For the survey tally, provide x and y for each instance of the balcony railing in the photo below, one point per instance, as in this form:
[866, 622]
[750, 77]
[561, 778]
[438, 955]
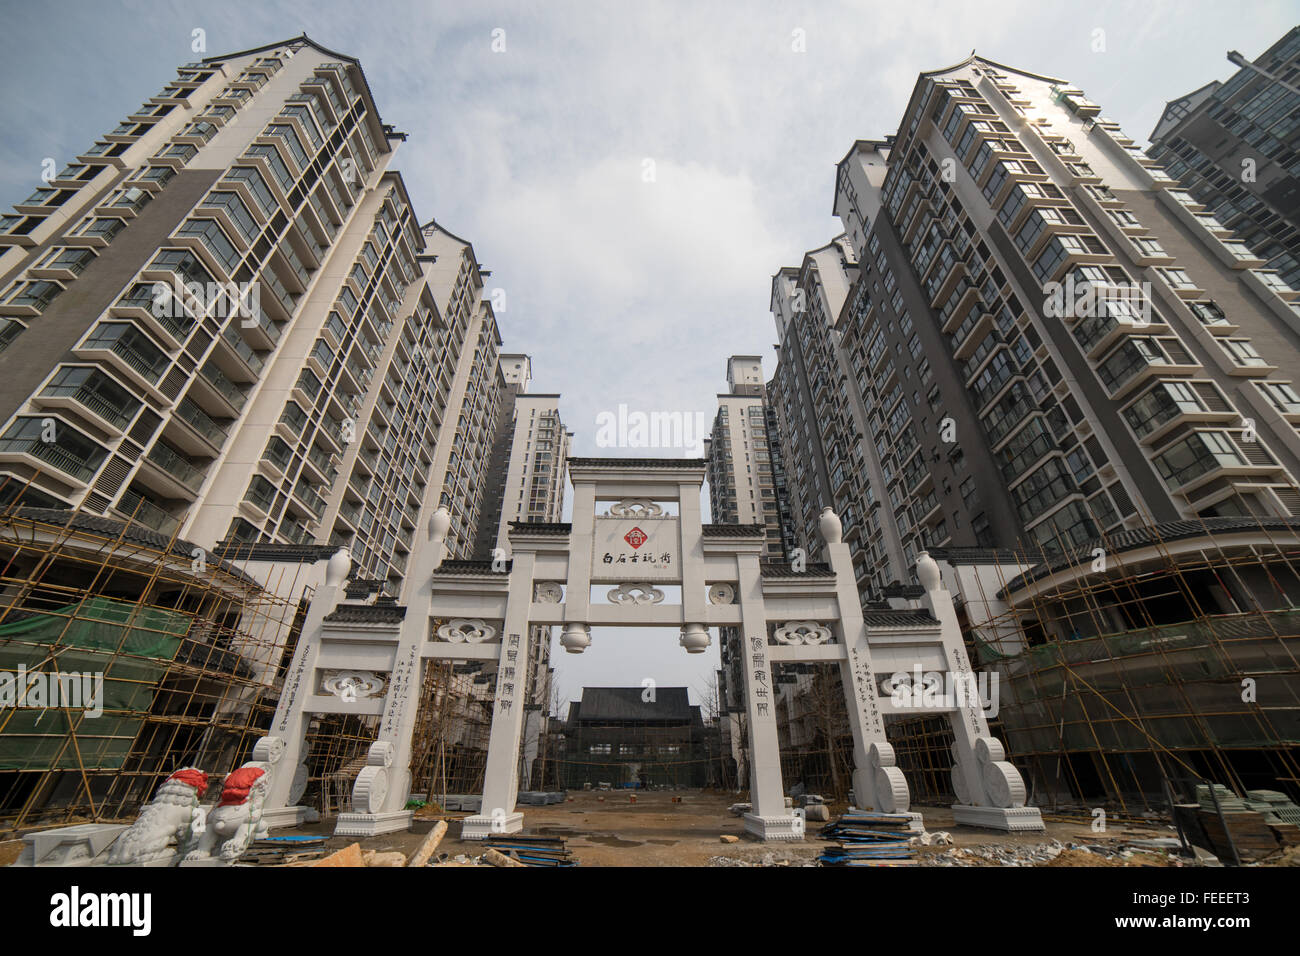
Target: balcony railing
[183, 471]
[242, 348]
[51, 453]
[95, 402]
[150, 515]
[190, 413]
[217, 379]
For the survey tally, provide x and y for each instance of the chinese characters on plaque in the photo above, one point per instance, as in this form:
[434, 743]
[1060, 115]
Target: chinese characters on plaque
[403, 680]
[647, 549]
[506, 683]
[758, 663]
[864, 688]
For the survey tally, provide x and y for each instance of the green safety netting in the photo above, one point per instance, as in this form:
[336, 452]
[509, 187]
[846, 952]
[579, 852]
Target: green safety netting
[129, 645]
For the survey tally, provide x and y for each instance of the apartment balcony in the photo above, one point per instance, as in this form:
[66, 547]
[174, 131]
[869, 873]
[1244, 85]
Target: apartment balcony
[960, 308]
[966, 347]
[278, 460]
[306, 389]
[90, 403]
[351, 513]
[39, 454]
[104, 154]
[183, 476]
[140, 367]
[195, 430]
[322, 464]
[170, 319]
[212, 384]
[333, 433]
[139, 510]
[308, 496]
[240, 351]
[296, 532]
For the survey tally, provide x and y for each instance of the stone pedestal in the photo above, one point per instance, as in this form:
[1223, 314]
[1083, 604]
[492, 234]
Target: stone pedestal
[81, 845]
[290, 816]
[787, 829]
[999, 818]
[372, 824]
[480, 827]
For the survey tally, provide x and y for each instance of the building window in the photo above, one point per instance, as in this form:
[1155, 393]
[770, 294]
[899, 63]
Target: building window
[1196, 455]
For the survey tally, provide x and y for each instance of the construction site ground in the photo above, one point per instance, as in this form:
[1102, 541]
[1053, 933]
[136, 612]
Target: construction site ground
[605, 828]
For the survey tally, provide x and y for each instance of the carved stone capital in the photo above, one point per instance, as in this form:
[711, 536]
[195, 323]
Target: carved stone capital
[802, 632]
[635, 593]
[461, 630]
[635, 508]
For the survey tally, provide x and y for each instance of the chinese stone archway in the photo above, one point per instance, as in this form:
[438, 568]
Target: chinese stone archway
[362, 658]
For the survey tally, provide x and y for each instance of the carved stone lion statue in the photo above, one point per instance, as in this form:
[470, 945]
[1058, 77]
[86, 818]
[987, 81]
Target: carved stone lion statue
[165, 824]
[236, 821]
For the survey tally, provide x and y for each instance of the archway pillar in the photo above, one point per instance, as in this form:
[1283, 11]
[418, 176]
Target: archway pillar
[990, 791]
[501, 779]
[768, 818]
[877, 783]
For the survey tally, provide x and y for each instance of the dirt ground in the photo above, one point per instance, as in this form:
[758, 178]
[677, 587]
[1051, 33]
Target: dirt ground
[607, 829]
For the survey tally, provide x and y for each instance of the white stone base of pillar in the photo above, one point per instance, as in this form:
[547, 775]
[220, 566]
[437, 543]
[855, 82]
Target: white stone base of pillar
[290, 816]
[773, 828]
[999, 818]
[372, 824]
[480, 827]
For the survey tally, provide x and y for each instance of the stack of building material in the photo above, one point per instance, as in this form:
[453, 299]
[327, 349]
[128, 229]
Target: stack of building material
[277, 851]
[1252, 837]
[1227, 801]
[532, 850]
[1276, 807]
[867, 838]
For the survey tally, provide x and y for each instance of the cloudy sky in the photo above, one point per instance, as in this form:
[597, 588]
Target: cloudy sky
[632, 174]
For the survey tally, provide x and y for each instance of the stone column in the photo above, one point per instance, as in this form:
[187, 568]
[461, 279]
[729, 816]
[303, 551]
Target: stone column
[877, 783]
[990, 791]
[383, 786]
[501, 780]
[768, 818]
[290, 721]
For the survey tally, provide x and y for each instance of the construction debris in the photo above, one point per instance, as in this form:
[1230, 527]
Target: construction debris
[278, 851]
[383, 858]
[497, 858]
[728, 838]
[532, 850]
[350, 855]
[869, 839]
[429, 846]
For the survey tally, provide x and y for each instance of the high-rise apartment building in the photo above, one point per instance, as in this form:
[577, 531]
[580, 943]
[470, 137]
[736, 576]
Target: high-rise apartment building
[1235, 147]
[1060, 364]
[224, 333]
[529, 458]
[745, 471]
[224, 322]
[1020, 407]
